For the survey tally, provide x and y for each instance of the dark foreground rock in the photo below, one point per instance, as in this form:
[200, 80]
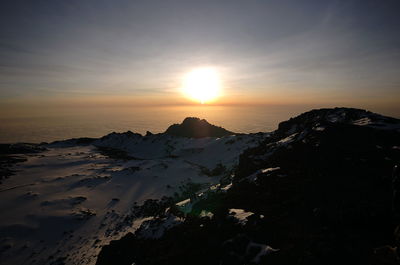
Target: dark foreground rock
[320, 190]
[11, 154]
[21, 148]
[196, 128]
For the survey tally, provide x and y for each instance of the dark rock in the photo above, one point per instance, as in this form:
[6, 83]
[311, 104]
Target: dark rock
[128, 134]
[11, 154]
[83, 141]
[20, 148]
[196, 128]
[331, 201]
[116, 154]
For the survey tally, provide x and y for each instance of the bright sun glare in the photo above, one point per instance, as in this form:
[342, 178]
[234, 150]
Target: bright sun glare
[202, 84]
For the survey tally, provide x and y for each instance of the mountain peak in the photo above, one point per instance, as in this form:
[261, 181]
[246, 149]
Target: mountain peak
[330, 116]
[194, 127]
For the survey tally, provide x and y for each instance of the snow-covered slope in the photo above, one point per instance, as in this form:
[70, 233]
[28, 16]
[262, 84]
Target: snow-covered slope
[66, 202]
[207, 152]
[68, 199]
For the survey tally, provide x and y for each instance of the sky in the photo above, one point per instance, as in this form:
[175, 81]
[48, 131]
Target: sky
[137, 52]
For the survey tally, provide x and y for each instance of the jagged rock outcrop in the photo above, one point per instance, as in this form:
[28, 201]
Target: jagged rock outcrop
[196, 128]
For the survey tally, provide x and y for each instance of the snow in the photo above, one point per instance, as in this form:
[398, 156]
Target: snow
[240, 215]
[207, 152]
[288, 139]
[185, 206]
[362, 121]
[183, 203]
[206, 214]
[319, 128]
[363, 118]
[334, 118]
[264, 250]
[227, 187]
[270, 169]
[155, 228]
[377, 123]
[253, 177]
[215, 187]
[70, 200]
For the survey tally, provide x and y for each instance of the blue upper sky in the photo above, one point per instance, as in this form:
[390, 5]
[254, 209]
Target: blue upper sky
[317, 50]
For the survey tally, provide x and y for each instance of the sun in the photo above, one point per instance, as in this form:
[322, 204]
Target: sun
[202, 85]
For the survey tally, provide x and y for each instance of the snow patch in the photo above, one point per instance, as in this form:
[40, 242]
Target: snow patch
[240, 215]
[227, 187]
[185, 206]
[288, 139]
[319, 128]
[363, 121]
[263, 250]
[155, 228]
[206, 214]
[253, 177]
[270, 169]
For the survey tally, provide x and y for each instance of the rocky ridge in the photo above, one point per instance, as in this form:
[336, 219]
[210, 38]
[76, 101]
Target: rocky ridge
[322, 189]
[196, 128]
